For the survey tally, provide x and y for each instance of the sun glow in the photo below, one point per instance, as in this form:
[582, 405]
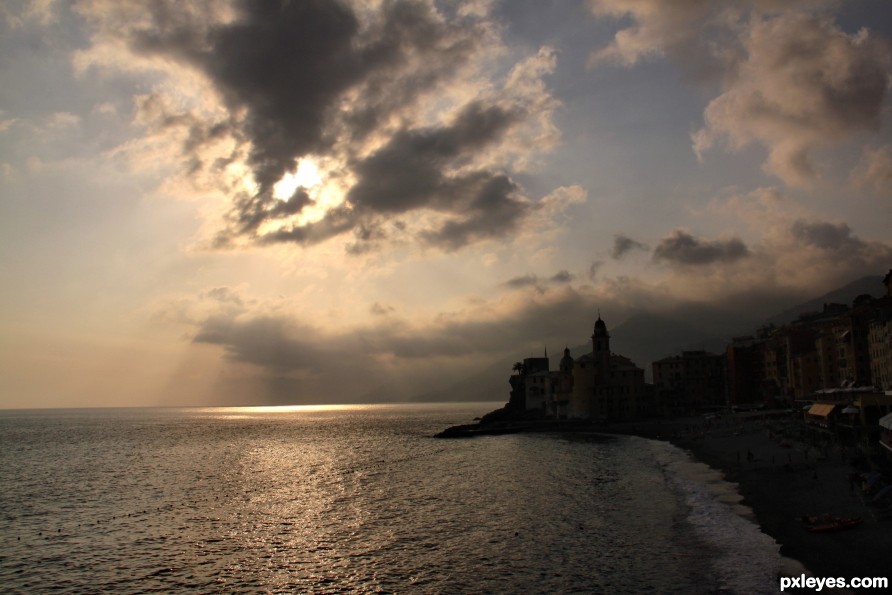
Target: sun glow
[306, 176]
[252, 412]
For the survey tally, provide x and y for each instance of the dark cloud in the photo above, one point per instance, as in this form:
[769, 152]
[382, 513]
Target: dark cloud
[683, 248]
[493, 211]
[523, 281]
[281, 344]
[593, 269]
[379, 309]
[368, 234]
[285, 65]
[408, 172]
[272, 343]
[308, 364]
[434, 355]
[252, 210]
[827, 236]
[335, 222]
[561, 277]
[623, 244]
[316, 78]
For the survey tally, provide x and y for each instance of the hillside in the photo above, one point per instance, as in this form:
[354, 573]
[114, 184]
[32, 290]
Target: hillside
[872, 285]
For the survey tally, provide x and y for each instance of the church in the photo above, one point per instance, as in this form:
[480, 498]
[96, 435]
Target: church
[600, 386]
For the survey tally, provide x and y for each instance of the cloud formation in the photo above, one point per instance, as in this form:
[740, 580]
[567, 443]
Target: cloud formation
[804, 84]
[659, 29]
[834, 237]
[792, 80]
[683, 248]
[411, 358]
[874, 170]
[562, 277]
[398, 103]
[623, 244]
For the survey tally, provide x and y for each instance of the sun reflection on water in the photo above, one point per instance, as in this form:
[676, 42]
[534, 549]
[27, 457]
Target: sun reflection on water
[262, 410]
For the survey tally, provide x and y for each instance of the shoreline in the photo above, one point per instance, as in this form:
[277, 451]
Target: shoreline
[783, 481]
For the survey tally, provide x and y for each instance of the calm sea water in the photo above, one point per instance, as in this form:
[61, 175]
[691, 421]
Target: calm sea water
[357, 499]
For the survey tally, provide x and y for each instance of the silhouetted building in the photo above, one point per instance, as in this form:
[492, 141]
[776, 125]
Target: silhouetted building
[607, 386]
[879, 338]
[531, 385]
[690, 383]
[744, 371]
[839, 347]
[599, 385]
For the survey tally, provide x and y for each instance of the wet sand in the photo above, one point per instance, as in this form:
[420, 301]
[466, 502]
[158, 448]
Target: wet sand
[783, 481]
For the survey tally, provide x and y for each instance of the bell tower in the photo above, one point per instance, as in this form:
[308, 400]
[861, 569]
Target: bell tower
[601, 349]
[601, 391]
[600, 342]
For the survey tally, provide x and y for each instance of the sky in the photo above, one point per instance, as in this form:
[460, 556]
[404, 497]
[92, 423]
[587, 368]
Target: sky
[245, 203]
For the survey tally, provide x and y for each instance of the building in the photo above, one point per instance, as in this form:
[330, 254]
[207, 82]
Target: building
[839, 347]
[850, 415]
[531, 386]
[743, 371]
[600, 385]
[879, 338]
[692, 382]
[536, 388]
[885, 424]
[607, 386]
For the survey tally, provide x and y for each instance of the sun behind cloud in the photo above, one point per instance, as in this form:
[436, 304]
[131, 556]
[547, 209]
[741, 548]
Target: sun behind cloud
[307, 176]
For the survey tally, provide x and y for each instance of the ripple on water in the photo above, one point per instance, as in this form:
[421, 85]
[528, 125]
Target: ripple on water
[327, 501]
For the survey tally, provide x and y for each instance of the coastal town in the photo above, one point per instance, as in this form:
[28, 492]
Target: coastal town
[798, 416]
[832, 369]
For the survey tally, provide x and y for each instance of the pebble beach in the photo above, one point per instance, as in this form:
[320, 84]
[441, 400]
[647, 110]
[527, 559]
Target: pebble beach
[782, 480]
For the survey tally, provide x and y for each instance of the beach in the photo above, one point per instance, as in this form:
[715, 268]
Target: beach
[782, 480]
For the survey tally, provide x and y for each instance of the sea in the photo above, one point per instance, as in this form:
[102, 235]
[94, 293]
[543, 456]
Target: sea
[359, 499]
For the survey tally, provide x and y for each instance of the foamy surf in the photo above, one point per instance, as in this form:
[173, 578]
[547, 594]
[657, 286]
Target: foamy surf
[746, 560]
